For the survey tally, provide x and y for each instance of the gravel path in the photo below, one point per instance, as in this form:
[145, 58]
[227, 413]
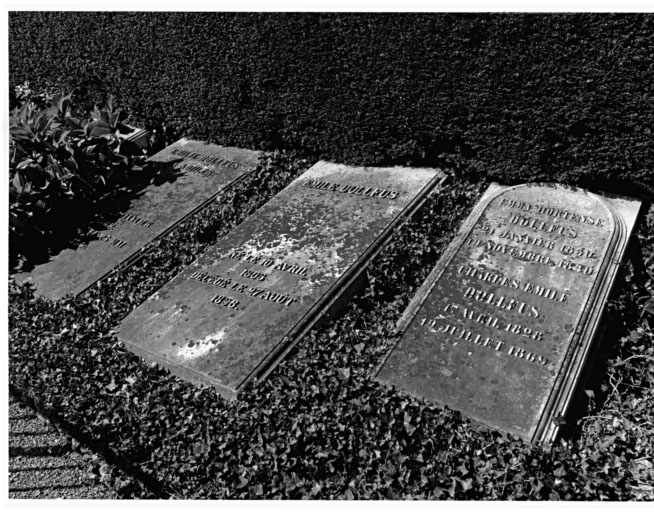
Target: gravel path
[44, 464]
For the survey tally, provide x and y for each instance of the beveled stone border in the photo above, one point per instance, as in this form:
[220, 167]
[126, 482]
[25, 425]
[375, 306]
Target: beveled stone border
[342, 287]
[559, 400]
[333, 298]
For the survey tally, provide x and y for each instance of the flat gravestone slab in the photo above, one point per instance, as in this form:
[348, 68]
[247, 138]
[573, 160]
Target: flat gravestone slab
[502, 326]
[200, 172]
[233, 314]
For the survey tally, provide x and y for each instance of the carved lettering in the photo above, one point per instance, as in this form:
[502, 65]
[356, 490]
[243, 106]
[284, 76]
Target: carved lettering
[513, 251]
[521, 254]
[226, 282]
[553, 212]
[255, 292]
[578, 252]
[489, 277]
[540, 225]
[197, 169]
[252, 274]
[207, 159]
[502, 302]
[470, 314]
[222, 282]
[492, 321]
[291, 269]
[463, 334]
[270, 296]
[521, 353]
[526, 239]
[351, 189]
[547, 293]
[137, 220]
[238, 287]
[225, 301]
[115, 241]
[527, 332]
[519, 205]
[576, 267]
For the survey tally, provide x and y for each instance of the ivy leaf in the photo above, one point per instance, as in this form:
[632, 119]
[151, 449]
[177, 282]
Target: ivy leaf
[18, 183]
[648, 307]
[560, 471]
[21, 133]
[111, 387]
[99, 128]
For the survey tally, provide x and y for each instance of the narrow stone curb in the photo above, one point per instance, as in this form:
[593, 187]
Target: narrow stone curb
[43, 463]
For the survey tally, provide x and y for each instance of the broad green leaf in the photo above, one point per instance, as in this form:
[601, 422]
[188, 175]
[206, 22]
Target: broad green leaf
[63, 102]
[21, 133]
[59, 136]
[71, 165]
[18, 183]
[25, 163]
[98, 129]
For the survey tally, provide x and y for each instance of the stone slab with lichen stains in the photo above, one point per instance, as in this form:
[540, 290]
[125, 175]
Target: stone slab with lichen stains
[222, 320]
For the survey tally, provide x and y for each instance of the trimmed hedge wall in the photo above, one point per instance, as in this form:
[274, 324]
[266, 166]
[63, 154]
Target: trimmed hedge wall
[563, 97]
[512, 98]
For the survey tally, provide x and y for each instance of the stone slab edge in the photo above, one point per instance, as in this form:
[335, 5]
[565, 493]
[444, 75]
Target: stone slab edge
[135, 257]
[625, 212]
[344, 284]
[578, 353]
[326, 304]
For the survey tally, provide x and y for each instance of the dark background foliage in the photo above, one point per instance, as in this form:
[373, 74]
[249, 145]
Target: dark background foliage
[513, 98]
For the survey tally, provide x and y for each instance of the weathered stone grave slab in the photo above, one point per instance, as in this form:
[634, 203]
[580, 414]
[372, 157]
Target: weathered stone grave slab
[234, 313]
[199, 172]
[501, 328]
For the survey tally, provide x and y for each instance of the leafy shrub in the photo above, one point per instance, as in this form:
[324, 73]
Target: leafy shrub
[60, 161]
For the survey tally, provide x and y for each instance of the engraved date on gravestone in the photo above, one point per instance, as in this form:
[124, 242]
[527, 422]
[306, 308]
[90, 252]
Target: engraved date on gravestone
[504, 322]
[234, 313]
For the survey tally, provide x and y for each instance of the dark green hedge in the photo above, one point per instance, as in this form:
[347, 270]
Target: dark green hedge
[565, 97]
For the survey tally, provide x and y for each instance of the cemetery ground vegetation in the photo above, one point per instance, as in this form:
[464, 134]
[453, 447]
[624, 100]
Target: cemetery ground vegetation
[62, 160]
[510, 98]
